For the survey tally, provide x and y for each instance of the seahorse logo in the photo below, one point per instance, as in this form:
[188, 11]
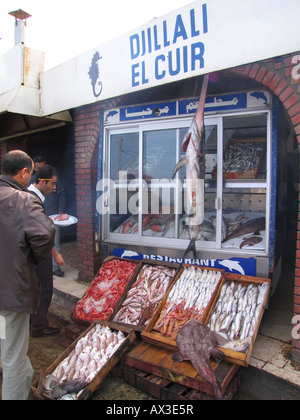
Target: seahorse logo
[95, 74]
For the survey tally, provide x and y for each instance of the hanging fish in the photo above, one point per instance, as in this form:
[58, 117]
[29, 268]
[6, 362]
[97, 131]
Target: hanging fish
[194, 160]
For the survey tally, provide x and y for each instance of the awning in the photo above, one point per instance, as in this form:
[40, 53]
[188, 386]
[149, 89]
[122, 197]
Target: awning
[19, 114]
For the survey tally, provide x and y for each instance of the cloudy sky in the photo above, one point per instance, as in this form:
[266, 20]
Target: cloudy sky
[66, 28]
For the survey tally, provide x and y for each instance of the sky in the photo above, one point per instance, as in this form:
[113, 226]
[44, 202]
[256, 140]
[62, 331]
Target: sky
[64, 29]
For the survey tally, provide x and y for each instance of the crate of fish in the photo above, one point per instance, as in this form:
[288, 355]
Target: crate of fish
[243, 158]
[111, 282]
[137, 306]
[81, 369]
[236, 314]
[190, 297]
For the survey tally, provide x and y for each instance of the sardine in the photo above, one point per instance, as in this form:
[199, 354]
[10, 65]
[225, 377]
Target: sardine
[194, 160]
[262, 293]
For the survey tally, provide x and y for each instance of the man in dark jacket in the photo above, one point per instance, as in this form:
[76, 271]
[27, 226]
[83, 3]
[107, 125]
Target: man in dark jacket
[26, 239]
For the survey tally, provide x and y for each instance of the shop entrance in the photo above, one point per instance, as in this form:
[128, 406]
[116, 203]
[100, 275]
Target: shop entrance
[57, 147]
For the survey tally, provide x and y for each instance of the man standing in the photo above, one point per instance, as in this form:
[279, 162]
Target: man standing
[44, 185]
[54, 203]
[27, 238]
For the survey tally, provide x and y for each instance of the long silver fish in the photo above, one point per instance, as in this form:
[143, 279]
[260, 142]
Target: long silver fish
[194, 146]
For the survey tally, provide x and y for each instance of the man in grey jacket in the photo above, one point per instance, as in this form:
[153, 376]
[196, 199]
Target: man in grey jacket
[26, 239]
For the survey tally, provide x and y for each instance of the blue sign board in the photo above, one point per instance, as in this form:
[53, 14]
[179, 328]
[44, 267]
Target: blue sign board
[215, 103]
[143, 112]
[243, 266]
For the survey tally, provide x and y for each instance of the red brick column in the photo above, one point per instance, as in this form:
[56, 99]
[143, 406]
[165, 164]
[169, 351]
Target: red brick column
[87, 129]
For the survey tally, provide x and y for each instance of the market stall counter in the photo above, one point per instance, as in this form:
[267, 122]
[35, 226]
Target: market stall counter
[234, 314]
[157, 301]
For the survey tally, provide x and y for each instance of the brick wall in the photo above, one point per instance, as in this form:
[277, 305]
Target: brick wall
[87, 129]
[7, 146]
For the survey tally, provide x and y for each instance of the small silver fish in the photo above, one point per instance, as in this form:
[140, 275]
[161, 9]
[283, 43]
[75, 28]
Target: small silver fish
[262, 293]
[238, 345]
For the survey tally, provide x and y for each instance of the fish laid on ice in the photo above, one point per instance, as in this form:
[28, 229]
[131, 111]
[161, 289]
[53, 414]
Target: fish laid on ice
[188, 299]
[194, 146]
[145, 295]
[196, 343]
[81, 366]
[253, 240]
[252, 226]
[237, 311]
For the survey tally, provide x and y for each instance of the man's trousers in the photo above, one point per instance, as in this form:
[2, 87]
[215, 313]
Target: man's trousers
[17, 369]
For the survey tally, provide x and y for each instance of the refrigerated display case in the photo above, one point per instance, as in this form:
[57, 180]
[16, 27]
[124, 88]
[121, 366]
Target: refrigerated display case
[144, 207]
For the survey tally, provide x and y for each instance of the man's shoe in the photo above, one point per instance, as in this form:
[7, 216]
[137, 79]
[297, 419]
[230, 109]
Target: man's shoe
[58, 272]
[45, 332]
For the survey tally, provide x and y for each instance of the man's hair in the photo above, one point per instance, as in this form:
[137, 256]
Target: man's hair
[14, 161]
[46, 172]
[39, 159]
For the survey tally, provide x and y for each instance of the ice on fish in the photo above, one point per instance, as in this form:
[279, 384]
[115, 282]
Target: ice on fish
[237, 311]
[85, 361]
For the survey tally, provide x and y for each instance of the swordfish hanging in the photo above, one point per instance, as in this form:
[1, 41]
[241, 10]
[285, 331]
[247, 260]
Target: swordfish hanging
[194, 146]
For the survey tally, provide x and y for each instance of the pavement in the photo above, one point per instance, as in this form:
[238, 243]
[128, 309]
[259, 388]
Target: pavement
[270, 375]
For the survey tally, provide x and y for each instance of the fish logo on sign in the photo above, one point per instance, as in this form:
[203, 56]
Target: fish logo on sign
[95, 74]
[232, 266]
[2, 328]
[130, 254]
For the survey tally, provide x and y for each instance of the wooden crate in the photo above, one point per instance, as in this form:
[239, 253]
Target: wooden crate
[251, 174]
[101, 375]
[151, 336]
[159, 362]
[129, 284]
[167, 390]
[143, 263]
[238, 358]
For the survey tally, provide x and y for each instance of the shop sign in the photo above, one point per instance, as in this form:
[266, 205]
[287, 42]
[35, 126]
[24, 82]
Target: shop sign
[229, 102]
[203, 37]
[243, 266]
[146, 112]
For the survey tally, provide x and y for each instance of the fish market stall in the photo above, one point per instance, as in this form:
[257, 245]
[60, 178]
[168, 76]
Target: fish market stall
[189, 325]
[232, 308]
